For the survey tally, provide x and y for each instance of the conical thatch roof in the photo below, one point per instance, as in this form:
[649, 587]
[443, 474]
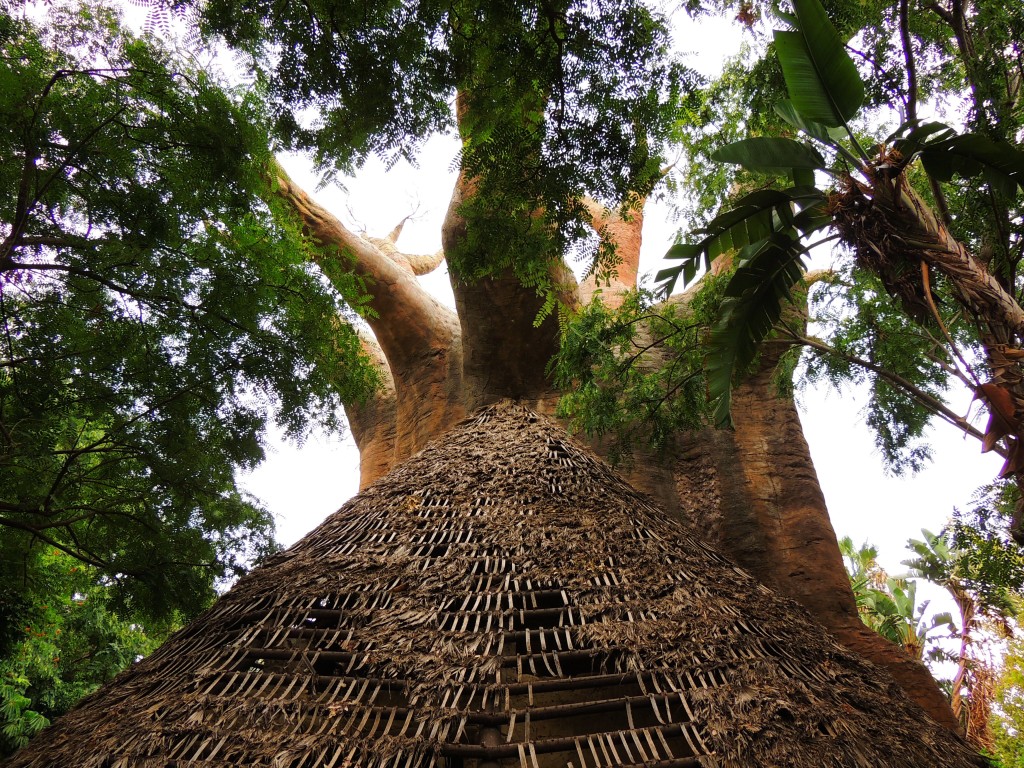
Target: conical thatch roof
[502, 598]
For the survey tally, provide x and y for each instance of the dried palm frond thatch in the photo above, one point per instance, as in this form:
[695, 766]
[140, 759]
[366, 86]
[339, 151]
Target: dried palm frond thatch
[501, 599]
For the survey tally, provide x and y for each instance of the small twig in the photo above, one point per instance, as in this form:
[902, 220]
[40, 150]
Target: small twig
[942, 326]
[928, 401]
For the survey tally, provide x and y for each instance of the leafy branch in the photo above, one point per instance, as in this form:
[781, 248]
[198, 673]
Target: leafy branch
[869, 206]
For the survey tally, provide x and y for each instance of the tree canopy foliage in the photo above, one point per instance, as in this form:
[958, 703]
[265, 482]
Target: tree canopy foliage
[556, 101]
[155, 313]
[65, 640]
[889, 135]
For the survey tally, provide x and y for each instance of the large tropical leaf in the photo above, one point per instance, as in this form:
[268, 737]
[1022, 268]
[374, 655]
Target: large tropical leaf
[934, 560]
[764, 153]
[914, 135]
[690, 255]
[946, 154]
[1001, 164]
[822, 80]
[752, 306]
[753, 218]
[815, 130]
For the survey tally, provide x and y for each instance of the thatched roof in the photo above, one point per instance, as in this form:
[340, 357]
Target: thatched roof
[501, 599]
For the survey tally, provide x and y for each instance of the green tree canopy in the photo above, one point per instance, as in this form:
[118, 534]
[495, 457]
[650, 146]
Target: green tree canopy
[62, 643]
[154, 314]
[554, 101]
[923, 219]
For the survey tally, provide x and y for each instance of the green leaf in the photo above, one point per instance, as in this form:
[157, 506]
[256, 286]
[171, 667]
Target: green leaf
[764, 153]
[802, 177]
[690, 254]
[813, 218]
[184, 320]
[1001, 164]
[815, 130]
[752, 219]
[914, 135]
[752, 305]
[946, 154]
[822, 80]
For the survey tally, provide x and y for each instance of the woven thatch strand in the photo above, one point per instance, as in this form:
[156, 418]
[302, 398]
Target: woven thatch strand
[501, 598]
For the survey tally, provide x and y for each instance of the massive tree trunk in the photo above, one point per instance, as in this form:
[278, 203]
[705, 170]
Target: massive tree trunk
[752, 491]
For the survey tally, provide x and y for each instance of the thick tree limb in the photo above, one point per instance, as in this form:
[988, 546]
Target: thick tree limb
[416, 264]
[625, 232]
[394, 289]
[505, 352]
[419, 336]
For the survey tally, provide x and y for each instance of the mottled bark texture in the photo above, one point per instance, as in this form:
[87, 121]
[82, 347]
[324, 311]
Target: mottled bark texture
[752, 491]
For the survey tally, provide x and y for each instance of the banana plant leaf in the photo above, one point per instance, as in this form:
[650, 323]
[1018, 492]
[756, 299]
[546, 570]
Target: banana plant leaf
[821, 79]
[946, 154]
[764, 153]
[753, 304]
[753, 218]
[914, 135]
[1001, 164]
[815, 130]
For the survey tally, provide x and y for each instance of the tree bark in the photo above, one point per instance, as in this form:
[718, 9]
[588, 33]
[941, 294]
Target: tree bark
[418, 337]
[753, 491]
[504, 351]
[772, 520]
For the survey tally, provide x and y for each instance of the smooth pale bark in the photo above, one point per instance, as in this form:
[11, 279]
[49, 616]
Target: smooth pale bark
[419, 340]
[768, 512]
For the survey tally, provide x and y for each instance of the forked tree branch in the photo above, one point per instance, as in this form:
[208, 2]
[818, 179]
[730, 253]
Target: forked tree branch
[406, 320]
